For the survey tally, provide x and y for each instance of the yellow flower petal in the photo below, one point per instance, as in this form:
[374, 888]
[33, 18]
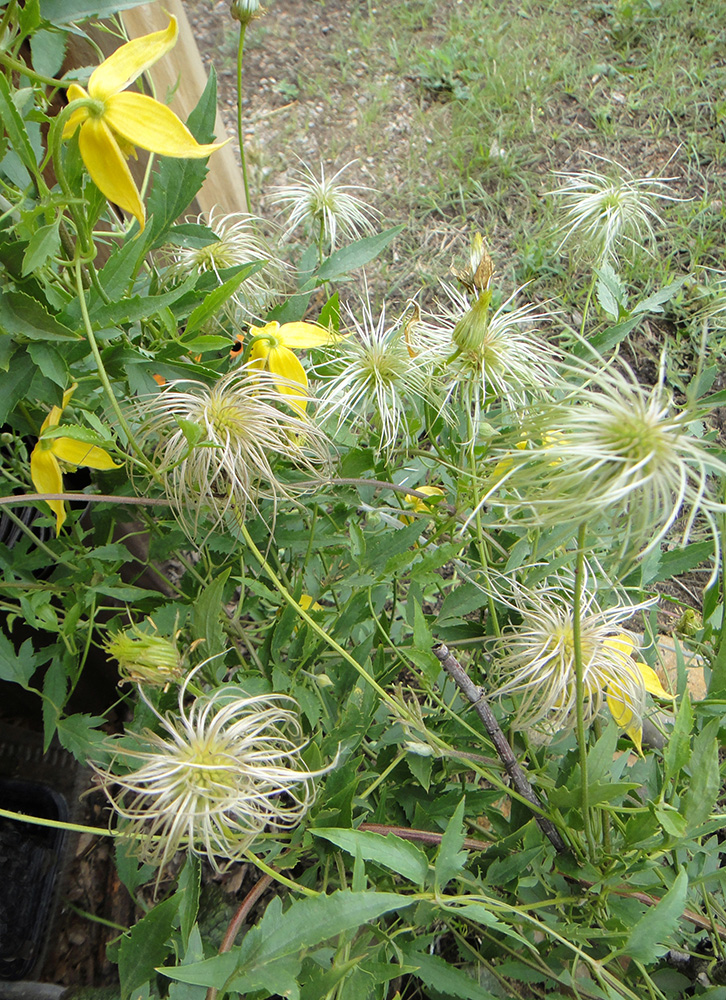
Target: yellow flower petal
[131, 60]
[259, 353]
[108, 168]
[652, 683]
[81, 453]
[422, 506]
[77, 117]
[46, 475]
[142, 121]
[621, 710]
[301, 335]
[281, 361]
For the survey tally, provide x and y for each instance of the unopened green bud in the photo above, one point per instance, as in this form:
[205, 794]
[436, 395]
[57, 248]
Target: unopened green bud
[470, 331]
[244, 10]
[145, 658]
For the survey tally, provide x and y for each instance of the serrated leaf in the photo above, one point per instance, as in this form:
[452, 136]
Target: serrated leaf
[679, 561]
[678, 749]
[18, 667]
[44, 243]
[350, 258]
[214, 301]
[655, 302]
[282, 936]
[189, 887]
[450, 859]
[705, 783]
[22, 315]
[390, 851]
[447, 980]
[14, 126]
[144, 947]
[79, 734]
[50, 361]
[646, 940]
[130, 870]
[206, 615]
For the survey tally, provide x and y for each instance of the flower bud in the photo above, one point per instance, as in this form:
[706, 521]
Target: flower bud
[244, 10]
[471, 330]
[145, 658]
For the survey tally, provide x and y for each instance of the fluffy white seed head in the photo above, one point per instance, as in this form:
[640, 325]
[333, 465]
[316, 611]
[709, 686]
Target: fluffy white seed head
[326, 206]
[212, 778]
[377, 379]
[242, 434]
[239, 241]
[613, 453]
[603, 215]
[536, 658]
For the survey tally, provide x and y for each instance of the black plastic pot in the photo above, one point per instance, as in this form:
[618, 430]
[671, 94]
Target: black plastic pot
[29, 860]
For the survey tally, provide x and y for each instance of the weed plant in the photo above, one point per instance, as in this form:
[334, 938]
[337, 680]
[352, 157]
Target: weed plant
[382, 535]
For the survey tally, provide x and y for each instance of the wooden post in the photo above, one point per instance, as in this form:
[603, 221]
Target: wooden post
[182, 68]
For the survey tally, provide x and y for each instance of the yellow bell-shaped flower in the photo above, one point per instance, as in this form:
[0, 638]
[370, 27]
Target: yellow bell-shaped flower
[113, 122]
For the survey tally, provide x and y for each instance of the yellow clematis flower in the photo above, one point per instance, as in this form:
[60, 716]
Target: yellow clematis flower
[112, 122]
[45, 459]
[272, 349]
[619, 700]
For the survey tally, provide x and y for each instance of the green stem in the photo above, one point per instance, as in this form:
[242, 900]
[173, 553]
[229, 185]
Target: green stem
[278, 877]
[55, 144]
[580, 690]
[20, 67]
[102, 374]
[240, 132]
[277, 583]
[586, 310]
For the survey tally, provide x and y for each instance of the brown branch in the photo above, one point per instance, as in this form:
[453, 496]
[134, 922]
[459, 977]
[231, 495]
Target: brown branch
[236, 922]
[512, 766]
[422, 836]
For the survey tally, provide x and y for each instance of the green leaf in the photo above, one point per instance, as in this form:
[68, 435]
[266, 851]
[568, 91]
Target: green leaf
[450, 859]
[71, 11]
[381, 548]
[391, 851]
[44, 243]
[194, 953]
[213, 302]
[678, 749]
[144, 947]
[55, 690]
[130, 309]
[177, 180]
[654, 302]
[79, 734]
[14, 125]
[22, 315]
[645, 942]
[131, 872]
[48, 49]
[705, 783]
[18, 667]
[604, 341]
[679, 561]
[191, 235]
[206, 616]
[189, 888]
[279, 936]
[349, 258]
[610, 291]
[446, 979]
[50, 361]
[462, 600]
[123, 264]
